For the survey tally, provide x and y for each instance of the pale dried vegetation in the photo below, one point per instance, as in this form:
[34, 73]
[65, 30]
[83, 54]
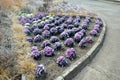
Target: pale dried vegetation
[22, 63]
[12, 4]
[25, 64]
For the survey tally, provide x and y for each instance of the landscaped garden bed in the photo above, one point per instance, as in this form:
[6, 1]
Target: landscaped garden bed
[57, 41]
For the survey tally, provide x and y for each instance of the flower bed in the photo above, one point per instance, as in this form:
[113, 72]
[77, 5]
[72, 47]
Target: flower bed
[59, 39]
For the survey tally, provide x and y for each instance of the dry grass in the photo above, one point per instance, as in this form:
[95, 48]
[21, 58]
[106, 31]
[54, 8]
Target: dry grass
[12, 4]
[25, 64]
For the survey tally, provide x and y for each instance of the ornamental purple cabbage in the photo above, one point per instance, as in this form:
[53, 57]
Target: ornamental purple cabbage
[64, 25]
[41, 25]
[40, 70]
[88, 39]
[46, 27]
[82, 43]
[38, 38]
[60, 29]
[46, 43]
[54, 39]
[96, 28]
[84, 25]
[53, 31]
[36, 54]
[69, 42]
[29, 39]
[48, 51]
[57, 46]
[37, 31]
[64, 35]
[34, 48]
[93, 32]
[71, 53]
[46, 33]
[76, 24]
[26, 31]
[77, 37]
[70, 26]
[75, 29]
[62, 61]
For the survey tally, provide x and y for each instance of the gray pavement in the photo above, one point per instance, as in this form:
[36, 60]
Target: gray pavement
[106, 64]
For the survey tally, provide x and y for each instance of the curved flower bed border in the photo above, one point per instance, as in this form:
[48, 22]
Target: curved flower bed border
[77, 66]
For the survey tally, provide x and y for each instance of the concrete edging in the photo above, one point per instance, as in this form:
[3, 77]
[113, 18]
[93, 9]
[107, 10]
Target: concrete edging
[77, 66]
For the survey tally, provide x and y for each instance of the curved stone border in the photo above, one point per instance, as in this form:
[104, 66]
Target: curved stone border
[77, 66]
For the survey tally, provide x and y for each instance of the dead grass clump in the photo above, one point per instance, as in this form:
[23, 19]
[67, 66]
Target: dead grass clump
[12, 4]
[25, 65]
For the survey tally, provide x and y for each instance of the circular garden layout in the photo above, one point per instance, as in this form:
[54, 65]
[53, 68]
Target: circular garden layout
[57, 41]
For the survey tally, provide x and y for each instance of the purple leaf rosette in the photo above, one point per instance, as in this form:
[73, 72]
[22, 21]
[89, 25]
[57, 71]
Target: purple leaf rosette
[82, 43]
[38, 38]
[53, 31]
[71, 53]
[75, 29]
[54, 39]
[88, 39]
[70, 26]
[40, 70]
[46, 27]
[76, 24]
[77, 37]
[48, 51]
[84, 25]
[93, 32]
[27, 31]
[62, 61]
[34, 48]
[36, 54]
[57, 46]
[69, 42]
[37, 31]
[97, 28]
[46, 34]
[29, 39]
[64, 35]
[41, 25]
[60, 29]
[46, 43]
